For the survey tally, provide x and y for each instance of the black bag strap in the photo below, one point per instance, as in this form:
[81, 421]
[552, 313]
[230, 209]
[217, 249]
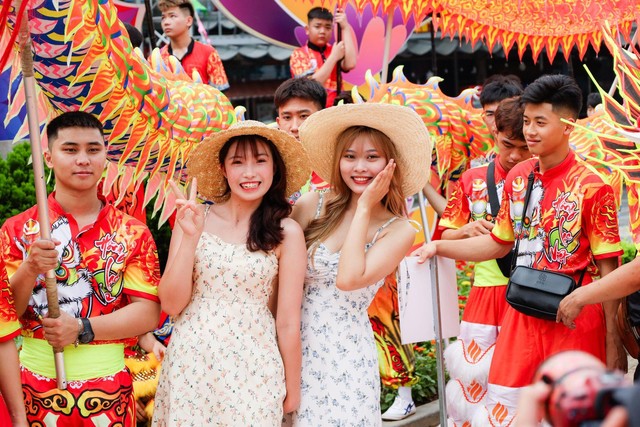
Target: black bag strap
[581, 276]
[527, 196]
[491, 188]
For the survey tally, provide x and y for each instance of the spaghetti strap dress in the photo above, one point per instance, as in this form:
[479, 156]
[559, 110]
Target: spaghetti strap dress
[222, 366]
[340, 375]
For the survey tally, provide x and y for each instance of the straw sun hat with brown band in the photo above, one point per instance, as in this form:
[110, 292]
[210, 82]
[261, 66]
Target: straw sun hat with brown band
[319, 136]
[204, 161]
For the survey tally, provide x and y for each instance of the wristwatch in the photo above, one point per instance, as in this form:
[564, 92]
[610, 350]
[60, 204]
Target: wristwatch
[86, 334]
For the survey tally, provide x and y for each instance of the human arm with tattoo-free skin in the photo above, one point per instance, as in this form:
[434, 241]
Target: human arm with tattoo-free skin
[479, 248]
[292, 265]
[10, 383]
[358, 269]
[176, 284]
[324, 71]
[471, 229]
[619, 283]
[304, 211]
[616, 354]
[435, 199]
[42, 257]
[150, 344]
[350, 52]
[137, 313]
[607, 291]
[139, 316]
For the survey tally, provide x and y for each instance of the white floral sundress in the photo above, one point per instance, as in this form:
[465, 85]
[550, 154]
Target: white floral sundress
[340, 374]
[223, 366]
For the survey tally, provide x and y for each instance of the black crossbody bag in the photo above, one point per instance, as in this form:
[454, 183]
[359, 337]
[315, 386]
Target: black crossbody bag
[505, 262]
[535, 292]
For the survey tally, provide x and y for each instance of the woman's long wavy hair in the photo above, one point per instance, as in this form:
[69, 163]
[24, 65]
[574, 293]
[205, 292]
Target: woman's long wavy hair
[265, 232]
[320, 228]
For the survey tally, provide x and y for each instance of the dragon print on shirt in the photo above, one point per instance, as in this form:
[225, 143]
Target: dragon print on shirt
[74, 281]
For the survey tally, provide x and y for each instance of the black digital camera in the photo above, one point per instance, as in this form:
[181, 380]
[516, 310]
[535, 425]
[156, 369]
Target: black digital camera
[583, 391]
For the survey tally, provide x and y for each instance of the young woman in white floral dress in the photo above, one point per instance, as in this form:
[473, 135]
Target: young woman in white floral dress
[374, 156]
[234, 282]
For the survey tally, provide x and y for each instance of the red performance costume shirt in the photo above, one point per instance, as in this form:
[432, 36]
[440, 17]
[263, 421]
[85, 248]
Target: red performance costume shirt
[203, 58]
[101, 266]
[9, 325]
[571, 218]
[304, 62]
[470, 202]
[571, 221]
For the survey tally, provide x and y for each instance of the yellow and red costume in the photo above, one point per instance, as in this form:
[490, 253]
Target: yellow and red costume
[468, 359]
[205, 60]
[307, 59]
[396, 361]
[100, 267]
[571, 221]
[9, 327]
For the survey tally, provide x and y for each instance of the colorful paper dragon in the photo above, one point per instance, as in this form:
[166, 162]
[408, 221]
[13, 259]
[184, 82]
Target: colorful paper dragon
[154, 114]
[615, 135]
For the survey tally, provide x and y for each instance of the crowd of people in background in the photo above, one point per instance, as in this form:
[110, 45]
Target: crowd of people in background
[280, 284]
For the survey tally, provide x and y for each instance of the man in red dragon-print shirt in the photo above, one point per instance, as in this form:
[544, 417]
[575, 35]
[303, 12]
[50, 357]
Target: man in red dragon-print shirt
[570, 227]
[107, 271]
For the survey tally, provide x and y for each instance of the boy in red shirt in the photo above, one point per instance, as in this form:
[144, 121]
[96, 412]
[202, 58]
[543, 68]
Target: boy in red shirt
[295, 100]
[471, 212]
[318, 59]
[177, 18]
[570, 227]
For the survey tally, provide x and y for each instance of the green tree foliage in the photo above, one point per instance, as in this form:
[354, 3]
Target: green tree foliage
[17, 191]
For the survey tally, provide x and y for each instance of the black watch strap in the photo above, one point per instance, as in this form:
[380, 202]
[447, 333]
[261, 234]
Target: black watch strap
[87, 335]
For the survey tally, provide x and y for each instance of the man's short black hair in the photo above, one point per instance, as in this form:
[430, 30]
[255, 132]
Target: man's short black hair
[509, 118]
[319, 13]
[562, 92]
[594, 99]
[303, 88]
[499, 87]
[181, 4]
[188, 7]
[72, 119]
[135, 36]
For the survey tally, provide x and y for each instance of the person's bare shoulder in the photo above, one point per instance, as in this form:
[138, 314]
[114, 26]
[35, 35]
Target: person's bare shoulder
[304, 211]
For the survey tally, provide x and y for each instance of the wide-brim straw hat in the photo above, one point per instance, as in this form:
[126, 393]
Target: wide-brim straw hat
[204, 160]
[319, 135]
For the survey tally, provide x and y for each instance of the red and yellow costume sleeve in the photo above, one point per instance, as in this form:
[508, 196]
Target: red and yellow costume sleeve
[215, 72]
[300, 63]
[457, 213]
[9, 325]
[142, 274]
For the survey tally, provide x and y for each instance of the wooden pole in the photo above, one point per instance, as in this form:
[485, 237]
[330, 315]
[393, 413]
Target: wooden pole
[387, 49]
[26, 57]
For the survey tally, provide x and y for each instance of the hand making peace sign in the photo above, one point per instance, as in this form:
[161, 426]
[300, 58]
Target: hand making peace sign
[190, 216]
